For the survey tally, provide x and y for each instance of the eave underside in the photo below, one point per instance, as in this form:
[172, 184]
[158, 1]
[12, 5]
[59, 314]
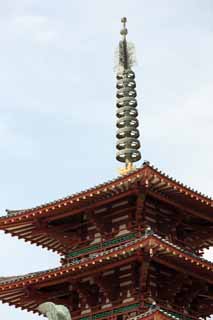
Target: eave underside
[60, 231]
[138, 272]
[150, 176]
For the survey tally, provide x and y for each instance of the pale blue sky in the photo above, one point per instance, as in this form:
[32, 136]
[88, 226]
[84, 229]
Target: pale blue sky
[57, 102]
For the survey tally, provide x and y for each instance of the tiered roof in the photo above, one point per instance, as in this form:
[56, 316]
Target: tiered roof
[13, 290]
[26, 224]
[114, 262]
[157, 313]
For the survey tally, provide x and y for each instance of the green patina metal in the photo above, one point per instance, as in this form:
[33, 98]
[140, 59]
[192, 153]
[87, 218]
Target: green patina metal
[119, 239]
[108, 313]
[127, 135]
[131, 307]
[126, 308]
[99, 246]
[83, 251]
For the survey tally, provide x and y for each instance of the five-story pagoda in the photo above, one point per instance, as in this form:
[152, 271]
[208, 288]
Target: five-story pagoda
[131, 247]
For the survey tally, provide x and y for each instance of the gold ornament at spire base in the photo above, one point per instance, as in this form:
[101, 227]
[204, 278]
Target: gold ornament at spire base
[127, 169]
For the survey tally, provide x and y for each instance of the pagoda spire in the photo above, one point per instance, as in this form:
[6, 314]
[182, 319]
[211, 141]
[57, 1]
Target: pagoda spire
[127, 135]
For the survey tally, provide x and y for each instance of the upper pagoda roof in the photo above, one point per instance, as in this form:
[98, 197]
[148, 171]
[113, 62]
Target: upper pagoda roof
[25, 223]
[155, 179]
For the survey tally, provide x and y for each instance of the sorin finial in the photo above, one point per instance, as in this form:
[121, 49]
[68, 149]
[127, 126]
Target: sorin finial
[128, 144]
[124, 31]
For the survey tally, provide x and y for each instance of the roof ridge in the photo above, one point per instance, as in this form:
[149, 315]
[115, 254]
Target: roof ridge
[146, 164]
[146, 236]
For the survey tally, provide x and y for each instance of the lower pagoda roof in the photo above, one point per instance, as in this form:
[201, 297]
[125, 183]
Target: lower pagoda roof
[157, 313]
[15, 290]
[26, 224]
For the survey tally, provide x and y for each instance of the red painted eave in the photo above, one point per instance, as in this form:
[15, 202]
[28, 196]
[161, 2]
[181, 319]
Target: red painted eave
[156, 245]
[148, 176]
